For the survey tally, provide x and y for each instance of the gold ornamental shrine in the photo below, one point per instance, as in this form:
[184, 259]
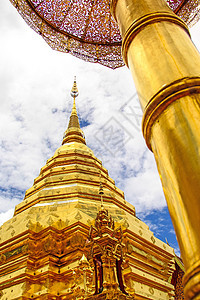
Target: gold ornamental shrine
[155, 44]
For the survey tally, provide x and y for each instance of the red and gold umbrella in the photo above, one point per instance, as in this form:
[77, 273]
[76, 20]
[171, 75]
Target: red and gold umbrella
[85, 28]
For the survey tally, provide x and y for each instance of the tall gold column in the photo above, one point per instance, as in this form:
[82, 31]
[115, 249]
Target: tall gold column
[166, 69]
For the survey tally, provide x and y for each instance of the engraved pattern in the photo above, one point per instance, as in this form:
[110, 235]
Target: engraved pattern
[177, 281]
[179, 294]
[190, 12]
[85, 28]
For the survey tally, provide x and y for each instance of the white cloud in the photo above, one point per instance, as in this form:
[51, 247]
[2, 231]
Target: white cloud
[5, 216]
[144, 191]
[195, 35]
[8, 201]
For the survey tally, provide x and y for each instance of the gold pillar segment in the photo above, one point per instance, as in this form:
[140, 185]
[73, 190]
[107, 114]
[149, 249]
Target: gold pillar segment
[166, 66]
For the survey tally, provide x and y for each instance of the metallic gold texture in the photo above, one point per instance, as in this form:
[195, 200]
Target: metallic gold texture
[166, 69]
[74, 132]
[48, 248]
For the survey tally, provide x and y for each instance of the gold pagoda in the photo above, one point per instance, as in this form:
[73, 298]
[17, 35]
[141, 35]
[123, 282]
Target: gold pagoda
[74, 236]
[165, 65]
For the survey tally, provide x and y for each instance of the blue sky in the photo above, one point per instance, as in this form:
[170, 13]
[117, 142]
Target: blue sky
[35, 105]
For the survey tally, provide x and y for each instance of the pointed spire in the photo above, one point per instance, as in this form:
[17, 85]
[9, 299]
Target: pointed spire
[74, 91]
[74, 122]
[74, 132]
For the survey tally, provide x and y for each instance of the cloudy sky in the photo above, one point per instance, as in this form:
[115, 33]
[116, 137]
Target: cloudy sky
[35, 104]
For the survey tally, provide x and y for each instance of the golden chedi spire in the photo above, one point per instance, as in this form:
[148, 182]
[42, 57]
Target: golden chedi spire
[74, 202]
[74, 132]
[74, 122]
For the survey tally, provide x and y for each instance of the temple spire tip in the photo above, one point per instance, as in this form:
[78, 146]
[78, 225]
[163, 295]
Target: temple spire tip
[74, 90]
[74, 132]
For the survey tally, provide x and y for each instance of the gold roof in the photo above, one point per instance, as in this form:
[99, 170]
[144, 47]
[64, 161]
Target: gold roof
[73, 173]
[86, 29]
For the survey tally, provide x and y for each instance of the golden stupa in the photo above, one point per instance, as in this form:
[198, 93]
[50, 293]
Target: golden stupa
[165, 65]
[74, 236]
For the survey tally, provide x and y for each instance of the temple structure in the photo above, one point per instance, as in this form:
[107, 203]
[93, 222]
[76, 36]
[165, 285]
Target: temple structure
[74, 236]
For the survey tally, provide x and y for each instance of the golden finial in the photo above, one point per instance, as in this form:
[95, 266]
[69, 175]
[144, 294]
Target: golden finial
[73, 132]
[74, 94]
[167, 241]
[74, 90]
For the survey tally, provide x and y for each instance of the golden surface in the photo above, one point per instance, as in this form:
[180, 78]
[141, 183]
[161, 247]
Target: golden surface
[86, 29]
[166, 69]
[74, 132]
[105, 249]
[180, 175]
[44, 250]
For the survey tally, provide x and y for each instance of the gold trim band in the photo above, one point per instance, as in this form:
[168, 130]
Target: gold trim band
[142, 22]
[162, 99]
[191, 281]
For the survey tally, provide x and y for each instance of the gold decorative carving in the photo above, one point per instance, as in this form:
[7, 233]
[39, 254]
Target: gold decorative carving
[12, 233]
[2, 258]
[36, 248]
[77, 240]
[60, 224]
[48, 244]
[129, 247]
[9, 227]
[149, 256]
[50, 221]
[89, 222]
[151, 290]
[125, 224]
[53, 213]
[29, 224]
[78, 216]
[25, 248]
[107, 255]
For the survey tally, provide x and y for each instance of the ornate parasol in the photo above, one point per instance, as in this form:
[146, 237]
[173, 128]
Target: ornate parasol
[85, 28]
